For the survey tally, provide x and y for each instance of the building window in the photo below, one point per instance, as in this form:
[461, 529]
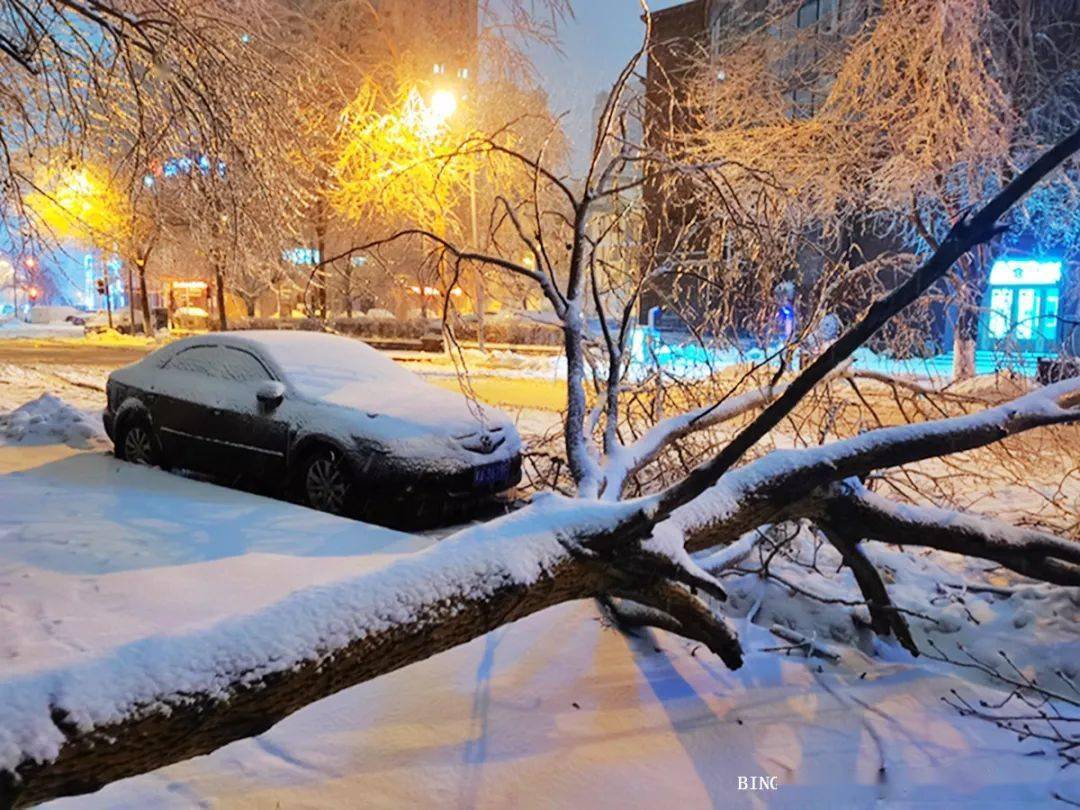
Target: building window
[803, 103]
[1024, 299]
[808, 13]
[814, 12]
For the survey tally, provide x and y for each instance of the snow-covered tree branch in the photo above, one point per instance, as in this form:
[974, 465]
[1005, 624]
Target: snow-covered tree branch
[1030, 552]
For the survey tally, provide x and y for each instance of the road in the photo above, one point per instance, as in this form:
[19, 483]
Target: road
[508, 392]
[68, 353]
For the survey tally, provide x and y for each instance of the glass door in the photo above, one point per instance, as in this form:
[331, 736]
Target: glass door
[1021, 319]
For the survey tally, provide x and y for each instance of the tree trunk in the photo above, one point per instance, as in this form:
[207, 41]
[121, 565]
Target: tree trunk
[964, 341]
[131, 298]
[219, 292]
[968, 312]
[321, 293]
[582, 465]
[481, 306]
[148, 325]
[347, 272]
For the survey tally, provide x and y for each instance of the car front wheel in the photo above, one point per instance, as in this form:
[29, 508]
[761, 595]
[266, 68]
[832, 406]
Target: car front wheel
[136, 443]
[326, 482]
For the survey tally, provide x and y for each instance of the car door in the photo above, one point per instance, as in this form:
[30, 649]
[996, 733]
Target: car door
[252, 435]
[210, 415]
[188, 395]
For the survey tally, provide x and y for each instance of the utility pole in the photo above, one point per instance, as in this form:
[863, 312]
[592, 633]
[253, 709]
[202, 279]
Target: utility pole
[108, 292]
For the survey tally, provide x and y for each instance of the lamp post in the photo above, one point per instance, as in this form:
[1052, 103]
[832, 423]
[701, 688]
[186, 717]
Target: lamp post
[481, 297]
[443, 106]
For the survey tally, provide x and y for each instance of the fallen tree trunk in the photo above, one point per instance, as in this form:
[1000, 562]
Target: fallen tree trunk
[177, 727]
[164, 700]
[159, 702]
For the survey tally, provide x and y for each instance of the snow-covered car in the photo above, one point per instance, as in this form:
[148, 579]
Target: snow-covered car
[327, 419]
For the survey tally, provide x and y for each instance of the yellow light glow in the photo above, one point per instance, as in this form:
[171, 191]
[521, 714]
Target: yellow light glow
[443, 105]
[82, 204]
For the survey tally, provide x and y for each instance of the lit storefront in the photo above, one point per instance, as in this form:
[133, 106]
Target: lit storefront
[1022, 306]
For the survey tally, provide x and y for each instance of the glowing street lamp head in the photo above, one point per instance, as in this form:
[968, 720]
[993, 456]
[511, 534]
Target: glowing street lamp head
[443, 105]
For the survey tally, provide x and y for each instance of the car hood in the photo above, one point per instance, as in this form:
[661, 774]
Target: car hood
[426, 420]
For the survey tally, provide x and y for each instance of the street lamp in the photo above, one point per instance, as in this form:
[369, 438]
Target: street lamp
[443, 105]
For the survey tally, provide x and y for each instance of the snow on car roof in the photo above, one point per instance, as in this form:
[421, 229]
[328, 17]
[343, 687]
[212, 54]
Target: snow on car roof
[319, 363]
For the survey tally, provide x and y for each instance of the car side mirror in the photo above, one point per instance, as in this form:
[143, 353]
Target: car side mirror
[270, 393]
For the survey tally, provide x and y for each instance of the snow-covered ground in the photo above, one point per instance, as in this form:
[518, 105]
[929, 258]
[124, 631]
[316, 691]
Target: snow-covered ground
[556, 710]
[12, 328]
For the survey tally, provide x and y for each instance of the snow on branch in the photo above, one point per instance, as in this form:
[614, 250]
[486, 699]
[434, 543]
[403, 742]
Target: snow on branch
[1027, 551]
[772, 486]
[622, 462]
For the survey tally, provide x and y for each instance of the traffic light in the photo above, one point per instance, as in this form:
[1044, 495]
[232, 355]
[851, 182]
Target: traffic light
[100, 283]
[33, 292]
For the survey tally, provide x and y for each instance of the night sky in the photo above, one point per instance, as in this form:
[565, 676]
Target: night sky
[596, 45]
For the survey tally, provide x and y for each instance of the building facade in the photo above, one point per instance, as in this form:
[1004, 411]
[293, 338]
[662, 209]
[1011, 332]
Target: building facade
[679, 37]
[1032, 300]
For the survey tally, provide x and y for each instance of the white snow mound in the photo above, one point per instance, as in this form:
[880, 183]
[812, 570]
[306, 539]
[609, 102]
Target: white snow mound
[48, 420]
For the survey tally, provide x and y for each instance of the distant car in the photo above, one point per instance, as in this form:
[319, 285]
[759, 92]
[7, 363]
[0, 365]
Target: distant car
[328, 419]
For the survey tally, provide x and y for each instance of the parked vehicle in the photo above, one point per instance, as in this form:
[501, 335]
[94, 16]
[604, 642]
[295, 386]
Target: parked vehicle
[324, 418]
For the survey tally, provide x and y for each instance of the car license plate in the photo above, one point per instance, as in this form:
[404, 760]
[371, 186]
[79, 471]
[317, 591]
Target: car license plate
[491, 473]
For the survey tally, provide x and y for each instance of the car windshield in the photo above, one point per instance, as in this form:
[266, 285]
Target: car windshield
[318, 365]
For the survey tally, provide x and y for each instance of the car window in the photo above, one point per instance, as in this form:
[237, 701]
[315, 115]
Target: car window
[219, 362]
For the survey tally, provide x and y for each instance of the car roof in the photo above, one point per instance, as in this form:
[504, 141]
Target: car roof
[257, 339]
[285, 349]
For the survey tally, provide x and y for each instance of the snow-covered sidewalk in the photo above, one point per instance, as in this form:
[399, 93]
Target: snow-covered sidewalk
[556, 710]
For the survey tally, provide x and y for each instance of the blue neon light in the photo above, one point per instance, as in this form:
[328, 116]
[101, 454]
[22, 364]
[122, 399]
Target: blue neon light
[1025, 272]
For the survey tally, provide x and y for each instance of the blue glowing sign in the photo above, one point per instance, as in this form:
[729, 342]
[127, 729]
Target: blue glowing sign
[301, 255]
[1025, 273]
